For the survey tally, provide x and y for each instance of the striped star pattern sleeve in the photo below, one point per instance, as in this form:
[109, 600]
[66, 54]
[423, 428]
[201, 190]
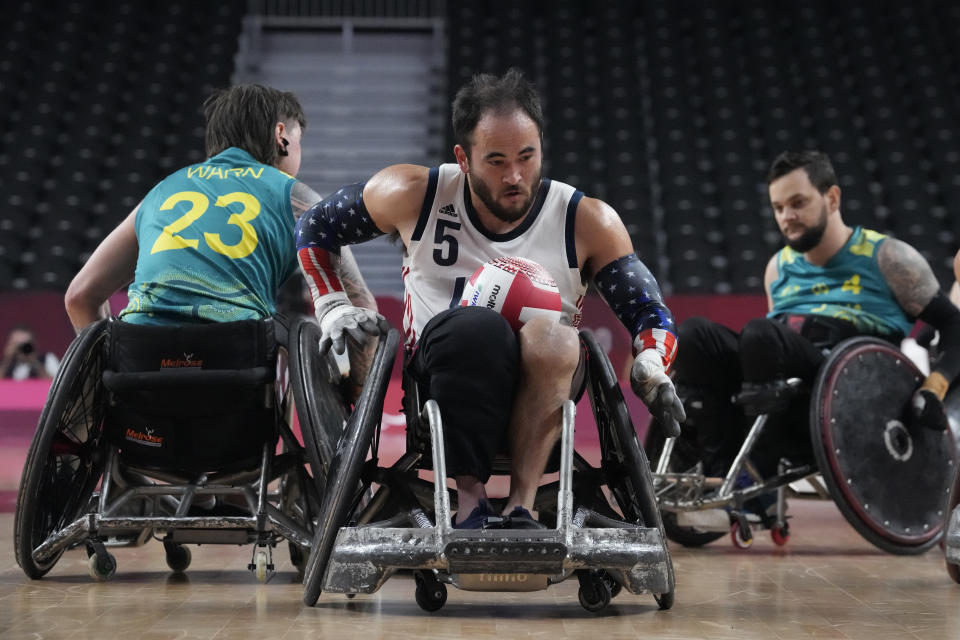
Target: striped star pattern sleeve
[336, 221]
[633, 294]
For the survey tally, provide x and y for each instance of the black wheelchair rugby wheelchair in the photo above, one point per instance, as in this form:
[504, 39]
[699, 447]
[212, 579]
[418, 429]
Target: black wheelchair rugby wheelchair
[172, 433]
[951, 523]
[605, 528]
[888, 477]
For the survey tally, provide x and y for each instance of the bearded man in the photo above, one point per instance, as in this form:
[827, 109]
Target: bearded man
[830, 282]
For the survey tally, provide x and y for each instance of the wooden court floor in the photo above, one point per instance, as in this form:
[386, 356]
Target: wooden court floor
[827, 583]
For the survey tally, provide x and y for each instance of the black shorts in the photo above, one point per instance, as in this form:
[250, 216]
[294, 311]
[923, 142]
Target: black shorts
[468, 360]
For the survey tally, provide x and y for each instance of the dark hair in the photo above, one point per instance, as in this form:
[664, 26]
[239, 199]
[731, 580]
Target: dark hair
[245, 115]
[502, 95]
[816, 163]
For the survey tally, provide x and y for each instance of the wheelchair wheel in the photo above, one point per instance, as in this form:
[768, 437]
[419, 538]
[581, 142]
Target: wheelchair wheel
[889, 478]
[64, 463]
[953, 570]
[341, 496]
[625, 465]
[683, 458]
[320, 406]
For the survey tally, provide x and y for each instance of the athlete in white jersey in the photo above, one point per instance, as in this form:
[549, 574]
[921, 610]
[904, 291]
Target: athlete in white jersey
[435, 273]
[494, 388]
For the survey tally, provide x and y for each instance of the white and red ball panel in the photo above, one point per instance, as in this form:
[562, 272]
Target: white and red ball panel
[516, 288]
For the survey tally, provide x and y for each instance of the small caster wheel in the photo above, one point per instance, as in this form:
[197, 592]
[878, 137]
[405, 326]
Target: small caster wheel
[101, 566]
[742, 538]
[780, 535]
[594, 594]
[260, 566]
[665, 600]
[954, 572]
[594, 598]
[431, 594]
[614, 586]
[178, 557]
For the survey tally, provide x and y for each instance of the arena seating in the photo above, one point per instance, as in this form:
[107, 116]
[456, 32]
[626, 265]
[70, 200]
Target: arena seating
[670, 111]
[99, 104]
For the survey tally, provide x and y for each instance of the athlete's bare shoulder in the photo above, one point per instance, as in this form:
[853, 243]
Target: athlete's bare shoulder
[394, 196]
[600, 234]
[908, 274]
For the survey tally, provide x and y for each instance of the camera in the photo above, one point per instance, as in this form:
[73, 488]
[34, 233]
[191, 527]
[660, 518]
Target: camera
[25, 348]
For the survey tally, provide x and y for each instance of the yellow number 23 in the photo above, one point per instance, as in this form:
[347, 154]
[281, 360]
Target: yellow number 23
[199, 203]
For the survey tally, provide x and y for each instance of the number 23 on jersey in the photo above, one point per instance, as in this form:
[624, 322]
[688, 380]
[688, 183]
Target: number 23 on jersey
[170, 238]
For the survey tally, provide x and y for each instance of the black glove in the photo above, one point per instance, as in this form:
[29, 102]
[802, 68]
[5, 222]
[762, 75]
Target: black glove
[927, 410]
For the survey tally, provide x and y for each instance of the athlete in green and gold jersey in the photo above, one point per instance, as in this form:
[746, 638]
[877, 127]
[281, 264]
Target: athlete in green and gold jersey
[216, 241]
[831, 281]
[212, 242]
[850, 286]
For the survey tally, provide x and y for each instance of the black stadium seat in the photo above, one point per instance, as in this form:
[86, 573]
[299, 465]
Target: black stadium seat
[697, 102]
[663, 111]
[104, 109]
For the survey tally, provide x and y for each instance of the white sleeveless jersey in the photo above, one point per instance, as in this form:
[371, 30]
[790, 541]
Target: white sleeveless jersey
[449, 244]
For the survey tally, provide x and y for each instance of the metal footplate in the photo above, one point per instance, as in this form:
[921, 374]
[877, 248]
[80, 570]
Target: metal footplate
[363, 558]
[505, 555]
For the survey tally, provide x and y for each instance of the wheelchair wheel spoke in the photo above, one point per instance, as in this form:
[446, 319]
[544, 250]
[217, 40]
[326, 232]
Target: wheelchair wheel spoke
[64, 446]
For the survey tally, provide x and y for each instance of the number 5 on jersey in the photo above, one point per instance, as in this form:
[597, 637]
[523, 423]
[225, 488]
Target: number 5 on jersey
[446, 243]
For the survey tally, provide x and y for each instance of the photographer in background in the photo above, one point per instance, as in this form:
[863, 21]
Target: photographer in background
[21, 360]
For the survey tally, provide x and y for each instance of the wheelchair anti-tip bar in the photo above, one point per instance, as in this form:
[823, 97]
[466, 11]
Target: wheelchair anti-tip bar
[265, 516]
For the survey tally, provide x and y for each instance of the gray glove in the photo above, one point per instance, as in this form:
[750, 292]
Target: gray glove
[650, 382]
[359, 323]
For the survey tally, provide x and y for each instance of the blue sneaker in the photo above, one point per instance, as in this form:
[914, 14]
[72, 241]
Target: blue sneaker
[520, 518]
[483, 516]
[759, 506]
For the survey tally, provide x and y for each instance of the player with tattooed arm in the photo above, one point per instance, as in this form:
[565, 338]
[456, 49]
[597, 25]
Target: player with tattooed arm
[496, 389]
[213, 242]
[830, 282]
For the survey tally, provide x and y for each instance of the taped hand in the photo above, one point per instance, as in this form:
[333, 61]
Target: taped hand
[650, 382]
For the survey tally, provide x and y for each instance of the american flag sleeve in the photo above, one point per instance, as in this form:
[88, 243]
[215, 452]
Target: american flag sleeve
[335, 221]
[633, 294]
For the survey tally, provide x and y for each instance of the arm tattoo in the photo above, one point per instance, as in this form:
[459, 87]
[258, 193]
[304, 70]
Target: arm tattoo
[909, 276]
[353, 283]
[302, 198]
[356, 289]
